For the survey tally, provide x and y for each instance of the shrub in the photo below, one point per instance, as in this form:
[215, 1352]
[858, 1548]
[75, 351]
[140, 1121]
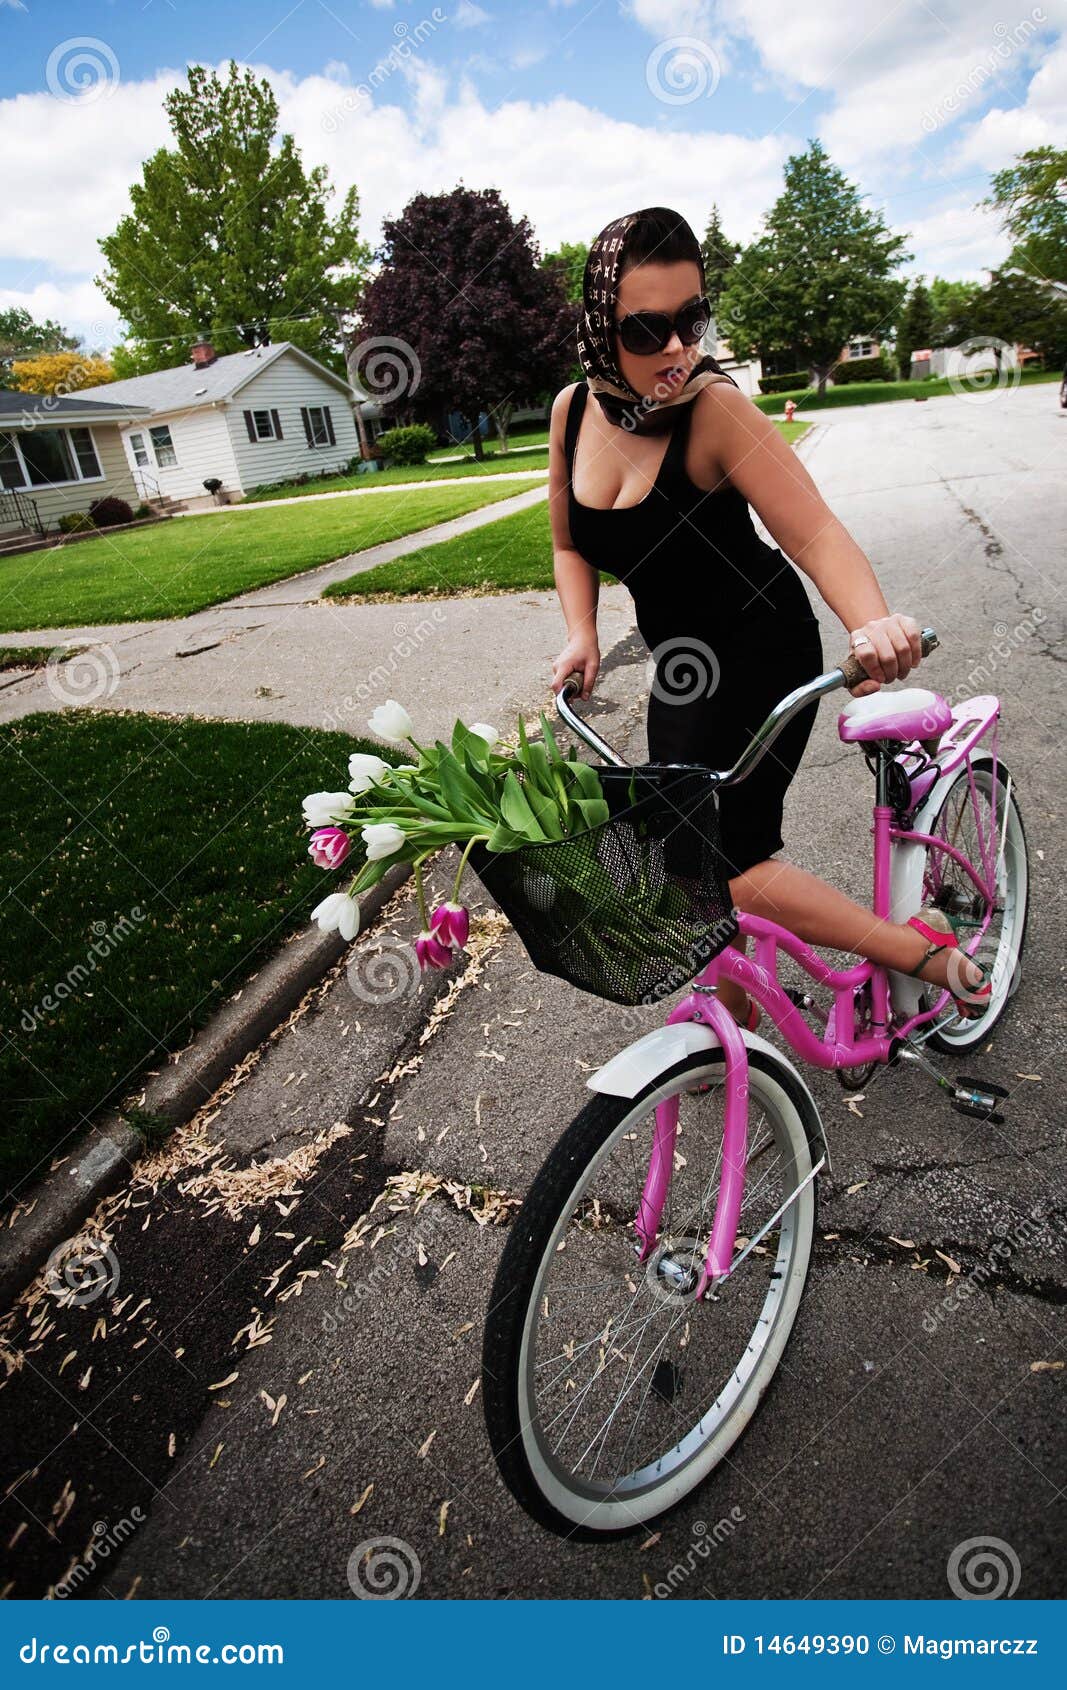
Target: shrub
[861, 369]
[109, 512]
[75, 522]
[142, 511]
[406, 445]
[794, 382]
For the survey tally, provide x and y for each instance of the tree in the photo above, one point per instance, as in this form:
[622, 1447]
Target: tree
[1031, 197]
[952, 302]
[22, 337]
[720, 256]
[1016, 310]
[463, 290]
[229, 236]
[60, 372]
[820, 273]
[569, 260]
[916, 327]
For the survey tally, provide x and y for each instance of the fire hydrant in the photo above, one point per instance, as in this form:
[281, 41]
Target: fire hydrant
[790, 409]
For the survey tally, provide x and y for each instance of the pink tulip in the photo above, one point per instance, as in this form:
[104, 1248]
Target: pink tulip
[430, 951]
[329, 846]
[451, 923]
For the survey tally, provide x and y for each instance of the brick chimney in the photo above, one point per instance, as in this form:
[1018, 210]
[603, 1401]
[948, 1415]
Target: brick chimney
[203, 354]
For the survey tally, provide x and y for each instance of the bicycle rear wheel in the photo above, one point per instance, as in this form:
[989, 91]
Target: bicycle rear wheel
[966, 821]
[609, 1391]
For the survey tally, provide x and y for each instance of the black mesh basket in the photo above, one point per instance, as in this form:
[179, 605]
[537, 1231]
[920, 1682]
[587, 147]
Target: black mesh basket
[633, 908]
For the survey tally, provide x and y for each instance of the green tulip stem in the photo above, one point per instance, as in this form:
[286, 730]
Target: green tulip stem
[463, 862]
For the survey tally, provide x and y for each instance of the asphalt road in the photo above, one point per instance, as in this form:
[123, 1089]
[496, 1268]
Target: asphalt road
[240, 1434]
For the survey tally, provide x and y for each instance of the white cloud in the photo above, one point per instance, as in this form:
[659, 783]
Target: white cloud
[1041, 121]
[71, 164]
[957, 241]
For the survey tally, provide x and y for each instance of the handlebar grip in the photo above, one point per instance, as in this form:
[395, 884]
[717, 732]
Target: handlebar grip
[854, 672]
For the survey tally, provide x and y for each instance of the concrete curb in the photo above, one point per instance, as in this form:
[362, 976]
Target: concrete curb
[64, 1198]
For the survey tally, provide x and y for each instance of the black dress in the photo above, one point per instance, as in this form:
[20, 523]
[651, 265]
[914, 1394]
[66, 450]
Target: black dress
[728, 622]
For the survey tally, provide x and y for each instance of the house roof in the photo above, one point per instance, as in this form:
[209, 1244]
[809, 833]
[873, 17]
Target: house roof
[30, 410]
[188, 386]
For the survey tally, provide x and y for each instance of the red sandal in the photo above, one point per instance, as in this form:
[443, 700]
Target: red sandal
[935, 925]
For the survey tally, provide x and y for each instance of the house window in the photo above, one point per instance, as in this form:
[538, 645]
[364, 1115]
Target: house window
[139, 450]
[163, 446]
[85, 452]
[263, 425]
[10, 463]
[318, 425]
[48, 457]
[861, 349]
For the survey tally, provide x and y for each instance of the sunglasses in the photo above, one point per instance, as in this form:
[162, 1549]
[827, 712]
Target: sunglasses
[645, 332]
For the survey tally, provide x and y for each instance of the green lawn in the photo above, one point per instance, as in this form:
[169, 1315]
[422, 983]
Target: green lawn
[877, 392]
[177, 848]
[493, 463]
[174, 568]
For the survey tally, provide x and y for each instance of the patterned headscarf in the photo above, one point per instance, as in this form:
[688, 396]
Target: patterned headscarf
[621, 403]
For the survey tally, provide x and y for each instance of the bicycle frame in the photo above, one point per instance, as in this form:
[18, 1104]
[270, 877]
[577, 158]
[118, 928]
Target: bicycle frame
[861, 1025]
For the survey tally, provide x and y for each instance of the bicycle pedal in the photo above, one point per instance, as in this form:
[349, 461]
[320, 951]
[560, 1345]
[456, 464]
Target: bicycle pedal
[985, 1086]
[976, 1111]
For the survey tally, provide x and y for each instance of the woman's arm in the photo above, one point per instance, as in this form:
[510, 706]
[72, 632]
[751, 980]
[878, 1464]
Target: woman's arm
[577, 582]
[749, 451]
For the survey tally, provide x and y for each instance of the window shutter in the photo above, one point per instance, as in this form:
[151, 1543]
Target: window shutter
[277, 421]
[307, 424]
[250, 425]
[329, 425]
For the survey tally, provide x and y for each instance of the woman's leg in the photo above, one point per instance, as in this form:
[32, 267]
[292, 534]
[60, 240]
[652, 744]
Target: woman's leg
[821, 915]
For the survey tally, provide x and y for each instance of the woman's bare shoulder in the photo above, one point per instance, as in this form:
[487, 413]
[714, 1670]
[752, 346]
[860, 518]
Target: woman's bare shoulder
[560, 406]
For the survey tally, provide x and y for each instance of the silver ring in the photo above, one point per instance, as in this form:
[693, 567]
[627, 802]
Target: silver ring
[864, 639]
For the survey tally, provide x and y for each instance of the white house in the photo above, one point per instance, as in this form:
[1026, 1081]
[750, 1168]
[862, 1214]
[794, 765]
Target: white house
[244, 419]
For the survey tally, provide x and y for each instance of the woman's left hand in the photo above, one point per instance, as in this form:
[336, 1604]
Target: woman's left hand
[888, 647]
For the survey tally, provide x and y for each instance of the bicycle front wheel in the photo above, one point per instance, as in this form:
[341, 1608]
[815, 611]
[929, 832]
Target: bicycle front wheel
[610, 1392]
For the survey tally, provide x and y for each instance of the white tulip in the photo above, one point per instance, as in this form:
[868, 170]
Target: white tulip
[486, 732]
[382, 839]
[365, 771]
[322, 808]
[391, 721]
[337, 911]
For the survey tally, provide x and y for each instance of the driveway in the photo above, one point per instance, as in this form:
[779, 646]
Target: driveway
[251, 1433]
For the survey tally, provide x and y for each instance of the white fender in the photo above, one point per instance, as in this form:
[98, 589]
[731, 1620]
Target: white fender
[906, 878]
[637, 1065]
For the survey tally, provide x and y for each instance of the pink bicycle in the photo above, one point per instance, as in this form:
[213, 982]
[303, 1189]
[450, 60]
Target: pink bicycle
[652, 1278]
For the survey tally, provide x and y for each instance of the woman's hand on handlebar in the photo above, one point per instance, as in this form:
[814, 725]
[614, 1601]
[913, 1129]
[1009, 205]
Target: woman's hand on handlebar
[582, 654]
[888, 647]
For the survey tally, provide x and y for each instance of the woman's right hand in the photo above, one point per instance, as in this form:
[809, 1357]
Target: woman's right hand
[582, 654]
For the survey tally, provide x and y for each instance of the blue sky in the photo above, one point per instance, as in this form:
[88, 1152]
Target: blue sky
[576, 110]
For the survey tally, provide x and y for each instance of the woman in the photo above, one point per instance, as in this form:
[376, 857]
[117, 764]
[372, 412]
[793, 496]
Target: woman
[653, 483]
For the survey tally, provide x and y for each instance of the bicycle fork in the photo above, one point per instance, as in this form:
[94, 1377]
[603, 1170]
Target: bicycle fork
[703, 1004]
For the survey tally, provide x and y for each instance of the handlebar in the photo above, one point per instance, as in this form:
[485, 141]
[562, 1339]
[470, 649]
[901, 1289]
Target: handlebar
[848, 674]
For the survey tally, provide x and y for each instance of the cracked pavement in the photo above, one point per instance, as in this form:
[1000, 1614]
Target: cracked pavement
[264, 1434]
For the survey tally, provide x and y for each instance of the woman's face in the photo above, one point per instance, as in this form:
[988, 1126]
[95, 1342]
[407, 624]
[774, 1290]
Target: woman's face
[657, 287]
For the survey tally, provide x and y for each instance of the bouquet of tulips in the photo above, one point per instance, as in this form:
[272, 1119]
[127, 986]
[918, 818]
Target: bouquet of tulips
[460, 793]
